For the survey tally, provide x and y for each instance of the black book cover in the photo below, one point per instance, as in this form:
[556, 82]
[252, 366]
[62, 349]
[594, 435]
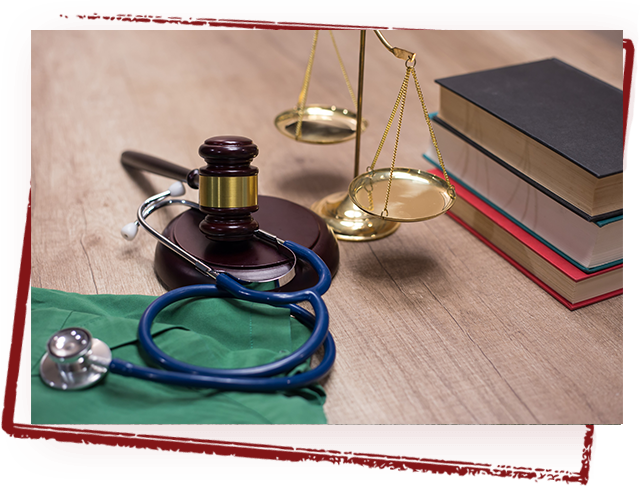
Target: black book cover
[568, 111]
[593, 219]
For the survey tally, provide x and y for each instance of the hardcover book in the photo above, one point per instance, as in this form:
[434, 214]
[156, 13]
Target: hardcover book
[589, 245]
[563, 280]
[554, 123]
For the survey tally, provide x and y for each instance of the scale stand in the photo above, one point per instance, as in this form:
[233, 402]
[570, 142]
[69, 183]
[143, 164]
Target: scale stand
[347, 220]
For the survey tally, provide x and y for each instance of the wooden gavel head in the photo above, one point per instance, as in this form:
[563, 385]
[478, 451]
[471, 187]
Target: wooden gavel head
[228, 187]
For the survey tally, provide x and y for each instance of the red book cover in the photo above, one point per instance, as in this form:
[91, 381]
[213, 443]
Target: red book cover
[553, 258]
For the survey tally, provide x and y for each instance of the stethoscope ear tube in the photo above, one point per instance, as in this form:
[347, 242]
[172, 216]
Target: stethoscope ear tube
[239, 383]
[257, 378]
[318, 333]
[262, 378]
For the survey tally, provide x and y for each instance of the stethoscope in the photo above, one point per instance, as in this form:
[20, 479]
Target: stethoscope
[74, 359]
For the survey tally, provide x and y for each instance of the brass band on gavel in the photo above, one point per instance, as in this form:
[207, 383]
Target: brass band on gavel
[228, 192]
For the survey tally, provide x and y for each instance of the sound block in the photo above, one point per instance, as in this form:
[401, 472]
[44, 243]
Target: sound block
[281, 218]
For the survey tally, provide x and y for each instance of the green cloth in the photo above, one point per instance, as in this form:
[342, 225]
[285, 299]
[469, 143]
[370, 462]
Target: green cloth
[216, 333]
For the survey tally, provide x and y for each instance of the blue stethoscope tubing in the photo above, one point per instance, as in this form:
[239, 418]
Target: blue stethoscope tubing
[258, 378]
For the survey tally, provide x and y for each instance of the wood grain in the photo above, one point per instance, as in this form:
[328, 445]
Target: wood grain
[431, 325]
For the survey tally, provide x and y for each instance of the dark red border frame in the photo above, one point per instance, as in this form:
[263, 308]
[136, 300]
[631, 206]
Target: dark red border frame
[547, 452]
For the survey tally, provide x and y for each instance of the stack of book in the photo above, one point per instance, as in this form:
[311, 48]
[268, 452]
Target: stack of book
[536, 154]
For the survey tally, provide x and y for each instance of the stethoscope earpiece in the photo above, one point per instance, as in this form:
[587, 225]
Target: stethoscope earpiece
[129, 231]
[177, 189]
[74, 360]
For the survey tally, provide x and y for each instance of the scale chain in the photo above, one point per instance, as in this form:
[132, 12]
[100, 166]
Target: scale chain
[433, 135]
[302, 98]
[389, 123]
[344, 71]
[400, 102]
[403, 90]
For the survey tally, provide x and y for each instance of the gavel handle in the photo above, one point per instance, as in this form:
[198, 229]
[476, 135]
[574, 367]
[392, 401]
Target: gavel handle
[149, 163]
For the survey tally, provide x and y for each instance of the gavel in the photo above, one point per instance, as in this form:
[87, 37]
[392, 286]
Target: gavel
[221, 232]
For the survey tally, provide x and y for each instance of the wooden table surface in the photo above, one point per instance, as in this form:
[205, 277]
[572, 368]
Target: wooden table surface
[431, 326]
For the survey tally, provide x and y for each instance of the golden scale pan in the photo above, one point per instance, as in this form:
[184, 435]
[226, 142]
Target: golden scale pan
[416, 195]
[316, 123]
[381, 198]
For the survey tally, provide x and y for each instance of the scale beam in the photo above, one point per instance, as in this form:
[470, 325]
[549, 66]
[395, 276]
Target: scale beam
[396, 51]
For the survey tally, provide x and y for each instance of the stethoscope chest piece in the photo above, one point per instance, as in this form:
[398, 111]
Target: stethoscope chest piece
[74, 360]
